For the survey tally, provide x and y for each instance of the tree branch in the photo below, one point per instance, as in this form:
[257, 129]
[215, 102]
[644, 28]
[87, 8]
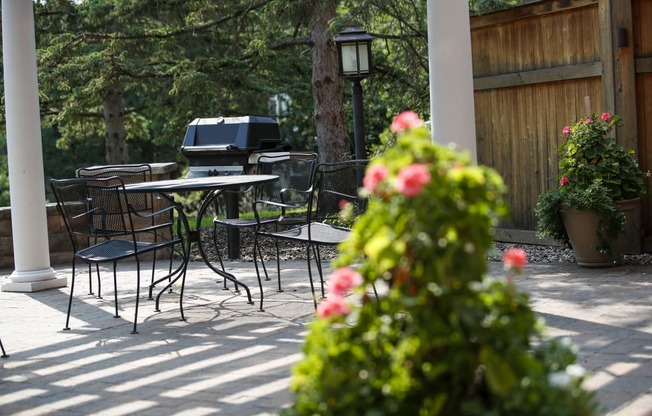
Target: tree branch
[174, 33]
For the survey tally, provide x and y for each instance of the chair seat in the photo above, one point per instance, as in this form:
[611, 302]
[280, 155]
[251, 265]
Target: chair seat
[243, 222]
[316, 233]
[116, 249]
[251, 222]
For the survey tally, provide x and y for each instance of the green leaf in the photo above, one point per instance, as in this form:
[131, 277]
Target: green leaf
[500, 377]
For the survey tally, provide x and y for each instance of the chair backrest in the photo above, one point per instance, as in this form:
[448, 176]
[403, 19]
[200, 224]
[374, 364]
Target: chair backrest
[127, 174]
[295, 172]
[92, 207]
[335, 185]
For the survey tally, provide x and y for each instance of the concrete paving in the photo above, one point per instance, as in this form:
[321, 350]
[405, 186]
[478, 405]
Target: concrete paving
[229, 358]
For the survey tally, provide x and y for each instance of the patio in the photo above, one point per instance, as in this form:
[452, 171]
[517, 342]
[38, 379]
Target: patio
[231, 359]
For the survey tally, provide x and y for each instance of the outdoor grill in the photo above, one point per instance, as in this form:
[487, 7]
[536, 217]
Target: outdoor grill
[229, 145]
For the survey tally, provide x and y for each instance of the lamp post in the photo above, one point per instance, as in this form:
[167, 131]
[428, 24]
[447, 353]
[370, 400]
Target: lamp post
[354, 52]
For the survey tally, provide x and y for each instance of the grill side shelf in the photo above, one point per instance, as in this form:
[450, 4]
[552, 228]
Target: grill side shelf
[212, 148]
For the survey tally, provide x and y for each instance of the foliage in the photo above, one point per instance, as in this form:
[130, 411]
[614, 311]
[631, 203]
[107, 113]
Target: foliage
[176, 61]
[4, 174]
[173, 61]
[594, 171]
[486, 6]
[443, 340]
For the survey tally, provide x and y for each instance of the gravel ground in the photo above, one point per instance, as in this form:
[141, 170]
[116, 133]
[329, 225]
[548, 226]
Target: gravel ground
[289, 251]
[552, 254]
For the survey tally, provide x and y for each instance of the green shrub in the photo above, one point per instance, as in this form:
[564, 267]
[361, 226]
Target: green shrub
[443, 339]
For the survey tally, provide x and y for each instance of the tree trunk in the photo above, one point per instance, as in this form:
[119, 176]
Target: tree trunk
[116, 136]
[333, 139]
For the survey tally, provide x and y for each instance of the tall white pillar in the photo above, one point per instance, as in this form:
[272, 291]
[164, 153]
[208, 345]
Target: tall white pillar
[25, 156]
[451, 74]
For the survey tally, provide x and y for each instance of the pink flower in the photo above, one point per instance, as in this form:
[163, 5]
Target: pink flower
[343, 280]
[405, 120]
[563, 181]
[411, 179]
[333, 305]
[605, 117]
[588, 121]
[375, 175]
[566, 131]
[515, 258]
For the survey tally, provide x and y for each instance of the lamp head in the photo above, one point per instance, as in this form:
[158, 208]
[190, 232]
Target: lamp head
[354, 52]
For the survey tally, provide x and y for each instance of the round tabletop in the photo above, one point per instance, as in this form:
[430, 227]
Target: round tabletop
[199, 184]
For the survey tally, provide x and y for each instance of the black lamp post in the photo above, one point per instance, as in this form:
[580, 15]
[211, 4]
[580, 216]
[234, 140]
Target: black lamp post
[354, 52]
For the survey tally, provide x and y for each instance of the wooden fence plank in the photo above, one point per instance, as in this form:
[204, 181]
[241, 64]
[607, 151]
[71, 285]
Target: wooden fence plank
[643, 65]
[532, 10]
[562, 73]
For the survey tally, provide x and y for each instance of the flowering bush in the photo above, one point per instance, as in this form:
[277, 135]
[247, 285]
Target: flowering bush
[594, 171]
[515, 260]
[590, 153]
[442, 339]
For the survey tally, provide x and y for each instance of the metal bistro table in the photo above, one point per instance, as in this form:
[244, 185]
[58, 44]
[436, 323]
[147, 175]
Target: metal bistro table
[214, 185]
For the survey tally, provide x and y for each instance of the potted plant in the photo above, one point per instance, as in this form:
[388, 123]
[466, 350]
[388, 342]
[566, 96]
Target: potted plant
[599, 190]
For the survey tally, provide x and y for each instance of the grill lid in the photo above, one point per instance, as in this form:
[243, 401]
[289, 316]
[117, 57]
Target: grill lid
[227, 134]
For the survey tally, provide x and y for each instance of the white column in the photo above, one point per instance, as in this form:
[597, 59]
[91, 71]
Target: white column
[25, 157]
[451, 74]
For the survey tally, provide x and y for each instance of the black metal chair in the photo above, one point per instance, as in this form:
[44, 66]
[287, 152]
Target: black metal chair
[334, 184]
[101, 224]
[140, 202]
[294, 171]
[4, 354]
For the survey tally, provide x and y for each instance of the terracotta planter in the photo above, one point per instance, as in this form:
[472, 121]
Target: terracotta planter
[580, 226]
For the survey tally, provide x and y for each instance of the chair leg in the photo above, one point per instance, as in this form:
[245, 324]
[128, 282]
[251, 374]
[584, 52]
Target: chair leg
[260, 283]
[150, 295]
[115, 289]
[170, 265]
[153, 263]
[185, 249]
[278, 265]
[153, 282]
[183, 284]
[90, 279]
[184, 270]
[4, 353]
[278, 260]
[260, 254]
[134, 331]
[217, 251]
[312, 286]
[99, 284]
[72, 289]
[319, 268]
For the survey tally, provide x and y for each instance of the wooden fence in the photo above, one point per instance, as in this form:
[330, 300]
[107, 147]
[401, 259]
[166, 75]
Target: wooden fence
[642, 44]
[533, 68]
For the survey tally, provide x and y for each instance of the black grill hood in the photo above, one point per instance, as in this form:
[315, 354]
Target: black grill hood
[223, 134]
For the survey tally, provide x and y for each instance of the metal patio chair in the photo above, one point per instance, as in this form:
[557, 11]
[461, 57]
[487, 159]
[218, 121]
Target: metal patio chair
[101, 224]
[140, 202]
[294, 171]
[334, 184]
